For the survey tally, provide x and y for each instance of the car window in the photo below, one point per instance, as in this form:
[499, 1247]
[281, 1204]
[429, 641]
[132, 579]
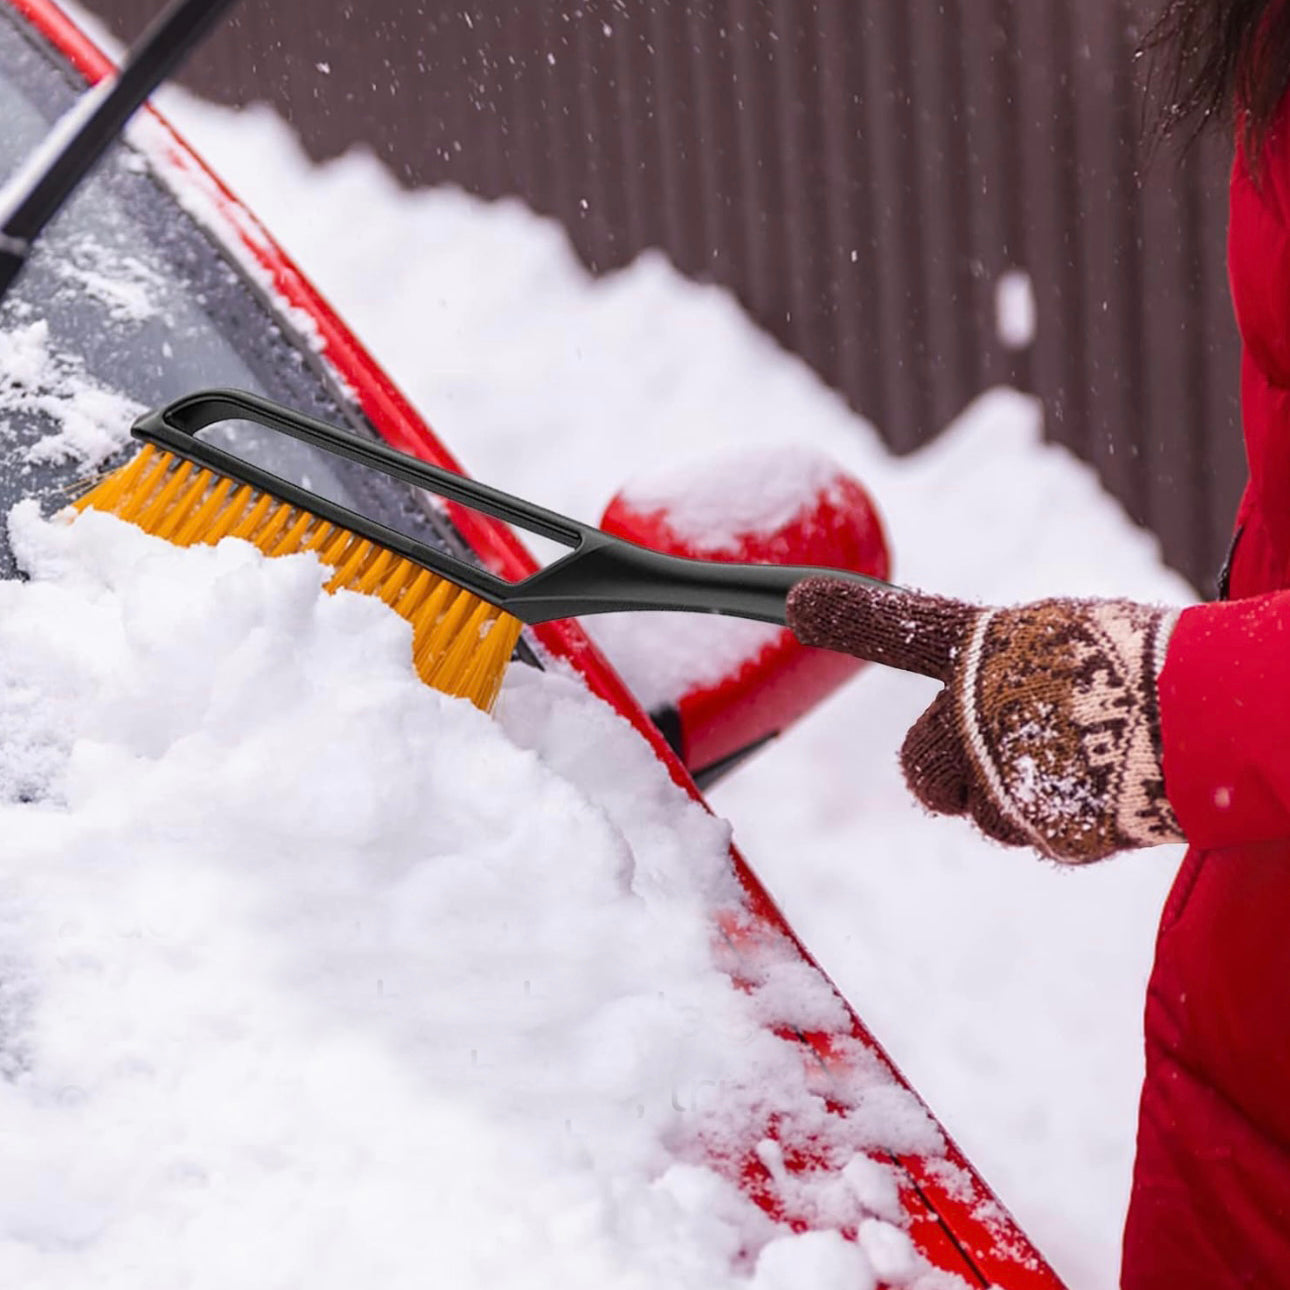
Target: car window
[126, 304]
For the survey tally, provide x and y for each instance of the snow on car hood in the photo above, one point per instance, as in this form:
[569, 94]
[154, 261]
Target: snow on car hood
[312, 976]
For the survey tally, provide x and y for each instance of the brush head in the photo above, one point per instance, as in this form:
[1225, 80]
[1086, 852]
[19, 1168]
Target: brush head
[461, 644]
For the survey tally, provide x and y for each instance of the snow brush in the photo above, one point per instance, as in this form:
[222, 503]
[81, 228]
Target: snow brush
[466, 621]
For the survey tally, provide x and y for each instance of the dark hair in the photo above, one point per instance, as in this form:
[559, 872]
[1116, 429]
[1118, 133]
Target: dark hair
[1226, 60]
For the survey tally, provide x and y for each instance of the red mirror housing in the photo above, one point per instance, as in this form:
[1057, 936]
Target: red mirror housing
[767, 506]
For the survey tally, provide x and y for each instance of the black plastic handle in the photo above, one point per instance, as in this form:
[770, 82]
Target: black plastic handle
[601, 574]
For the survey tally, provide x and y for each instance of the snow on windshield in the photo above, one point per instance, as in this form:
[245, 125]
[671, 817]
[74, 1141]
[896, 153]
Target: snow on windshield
[314, 976]
[89, 420]
[309, 975]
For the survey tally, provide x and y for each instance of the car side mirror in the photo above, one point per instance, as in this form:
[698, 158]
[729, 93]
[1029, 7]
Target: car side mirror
[718, 688]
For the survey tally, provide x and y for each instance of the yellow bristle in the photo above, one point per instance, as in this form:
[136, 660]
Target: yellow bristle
[291, 540]
[318, 536]
[460, 644]
[108, 493]
[354, 562]
[267, 538]
[398, 583]
[339, 547]
[251, 520]
[428, 613]
[159, 506]
[413, 596]
[443, 630]
[372, 575]
[197, 525]
[184, 505]
[222, 524]
[133, 503]
[459, 647]
[487, 667]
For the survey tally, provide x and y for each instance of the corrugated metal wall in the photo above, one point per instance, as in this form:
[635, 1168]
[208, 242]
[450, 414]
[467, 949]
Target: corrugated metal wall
[860, 172]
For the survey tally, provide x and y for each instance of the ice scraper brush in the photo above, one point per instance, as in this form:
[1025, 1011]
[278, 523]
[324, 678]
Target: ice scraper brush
[465, 619]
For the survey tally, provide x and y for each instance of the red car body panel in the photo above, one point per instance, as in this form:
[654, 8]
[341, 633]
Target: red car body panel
[954, 1220]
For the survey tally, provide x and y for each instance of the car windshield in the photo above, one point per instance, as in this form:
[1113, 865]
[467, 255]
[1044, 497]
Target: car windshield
[126, 304]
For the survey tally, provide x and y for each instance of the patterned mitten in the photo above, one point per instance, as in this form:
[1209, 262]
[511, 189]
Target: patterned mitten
[1047, 732]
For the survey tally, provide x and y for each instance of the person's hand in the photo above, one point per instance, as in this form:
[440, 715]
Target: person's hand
[1047, 732]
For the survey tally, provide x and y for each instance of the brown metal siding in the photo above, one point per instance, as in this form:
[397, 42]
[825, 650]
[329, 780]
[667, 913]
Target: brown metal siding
[859, 172]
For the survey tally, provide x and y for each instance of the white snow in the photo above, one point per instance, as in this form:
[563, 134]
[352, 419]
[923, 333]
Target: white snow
[821, 1260]
[313, 976]
[1010, 993]
[712, 502]
[665, 656]
[93, 421]
[890, 1252]
[126, 286]
[1016, 311]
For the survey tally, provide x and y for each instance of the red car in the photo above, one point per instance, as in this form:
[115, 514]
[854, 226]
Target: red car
[238, 313]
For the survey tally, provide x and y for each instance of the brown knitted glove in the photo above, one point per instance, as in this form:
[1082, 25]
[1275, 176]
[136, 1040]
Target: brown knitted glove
[1047, 732]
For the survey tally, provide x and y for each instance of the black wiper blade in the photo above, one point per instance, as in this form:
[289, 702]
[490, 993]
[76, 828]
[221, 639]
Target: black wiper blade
[40, 188]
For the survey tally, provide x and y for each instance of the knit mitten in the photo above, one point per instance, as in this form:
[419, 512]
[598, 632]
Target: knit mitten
[1047, 732]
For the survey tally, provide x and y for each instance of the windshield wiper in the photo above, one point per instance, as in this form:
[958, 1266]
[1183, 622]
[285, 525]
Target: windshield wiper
[54, 171]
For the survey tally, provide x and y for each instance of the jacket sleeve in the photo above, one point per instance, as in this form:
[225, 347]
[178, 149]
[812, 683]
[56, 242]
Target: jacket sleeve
[1225, 721]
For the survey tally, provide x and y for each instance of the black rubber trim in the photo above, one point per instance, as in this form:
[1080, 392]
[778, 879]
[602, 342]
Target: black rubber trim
[710, 775]
[1225, 573]
[668, 721]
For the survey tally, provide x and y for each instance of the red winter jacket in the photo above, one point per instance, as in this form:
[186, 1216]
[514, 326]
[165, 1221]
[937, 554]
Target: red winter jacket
[1211, 1191]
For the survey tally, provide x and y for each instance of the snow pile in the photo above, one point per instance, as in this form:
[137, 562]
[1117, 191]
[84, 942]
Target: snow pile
[311, 975]
[93, 421]
[961, 956]
[1011, 994]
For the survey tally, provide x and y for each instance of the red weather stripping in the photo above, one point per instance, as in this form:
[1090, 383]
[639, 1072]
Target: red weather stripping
[954, 1219]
